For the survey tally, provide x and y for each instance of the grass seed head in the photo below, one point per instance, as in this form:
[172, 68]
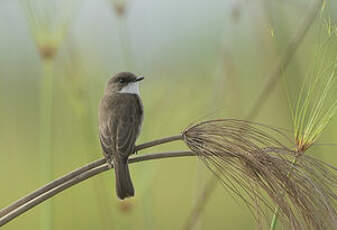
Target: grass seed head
[256, 163]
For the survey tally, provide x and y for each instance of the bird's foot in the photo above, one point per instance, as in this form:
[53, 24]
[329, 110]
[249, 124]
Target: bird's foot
[109, 162]
[135, 151]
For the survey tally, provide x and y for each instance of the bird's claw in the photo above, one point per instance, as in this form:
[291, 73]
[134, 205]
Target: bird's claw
[109, 162]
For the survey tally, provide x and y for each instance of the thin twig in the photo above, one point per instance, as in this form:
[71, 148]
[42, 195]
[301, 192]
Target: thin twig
[159, 142]
[75, 173]
[274, 77]
[87, 172]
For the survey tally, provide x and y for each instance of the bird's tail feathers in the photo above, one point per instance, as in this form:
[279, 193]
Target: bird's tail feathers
[124, 187]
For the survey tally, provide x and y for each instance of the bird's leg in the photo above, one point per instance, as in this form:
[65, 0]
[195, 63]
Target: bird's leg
[135, 151]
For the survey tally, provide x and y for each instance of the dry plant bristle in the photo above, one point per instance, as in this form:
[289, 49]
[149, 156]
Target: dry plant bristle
[254, 162]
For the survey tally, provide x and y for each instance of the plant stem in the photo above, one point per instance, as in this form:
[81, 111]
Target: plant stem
[50, 186]
[275, 218]
[125, 41]
[75, 173]
[46, 106]
[159, 142]
[87, 173]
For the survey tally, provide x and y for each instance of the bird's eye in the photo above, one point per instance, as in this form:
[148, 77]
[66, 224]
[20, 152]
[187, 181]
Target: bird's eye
[121, 80]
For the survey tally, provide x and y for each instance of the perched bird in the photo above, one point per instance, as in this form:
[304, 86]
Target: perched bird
[120, 121]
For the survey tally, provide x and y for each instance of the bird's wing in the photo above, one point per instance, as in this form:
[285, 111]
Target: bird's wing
[127, 129]
[105, 137]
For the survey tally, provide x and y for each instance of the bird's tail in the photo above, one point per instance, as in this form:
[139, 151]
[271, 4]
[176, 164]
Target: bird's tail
[124, 187]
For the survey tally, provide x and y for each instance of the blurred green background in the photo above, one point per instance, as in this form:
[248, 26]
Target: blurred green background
[201, 60]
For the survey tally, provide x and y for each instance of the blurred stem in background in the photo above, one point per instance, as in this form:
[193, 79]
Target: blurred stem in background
[120, 7]
[48, 35]
[125, 43]
[45, 130]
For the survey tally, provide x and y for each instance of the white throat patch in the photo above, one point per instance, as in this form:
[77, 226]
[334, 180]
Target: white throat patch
[132, 88]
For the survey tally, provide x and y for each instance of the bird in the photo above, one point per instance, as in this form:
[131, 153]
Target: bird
[120, 120]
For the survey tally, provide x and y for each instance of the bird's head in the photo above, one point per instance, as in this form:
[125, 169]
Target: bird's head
[124, 82]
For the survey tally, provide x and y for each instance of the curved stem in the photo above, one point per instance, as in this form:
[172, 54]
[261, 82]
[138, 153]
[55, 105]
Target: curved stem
[77, 172]
[87, 172]
[50, 186]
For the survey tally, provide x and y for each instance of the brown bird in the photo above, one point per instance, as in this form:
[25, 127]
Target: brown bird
[120, 120]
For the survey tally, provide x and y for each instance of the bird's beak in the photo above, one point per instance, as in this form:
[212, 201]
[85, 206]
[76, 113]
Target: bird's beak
[139, 78]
